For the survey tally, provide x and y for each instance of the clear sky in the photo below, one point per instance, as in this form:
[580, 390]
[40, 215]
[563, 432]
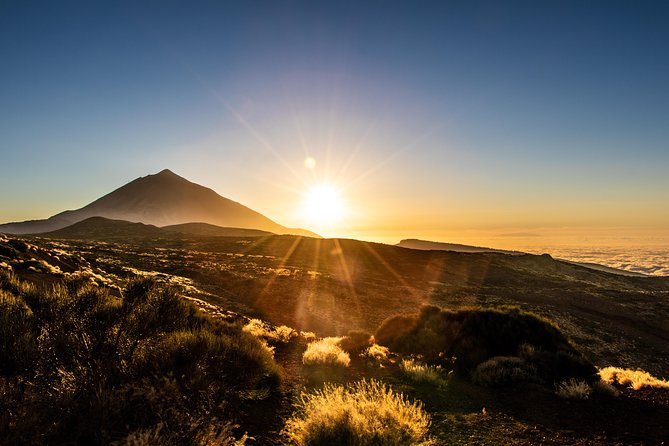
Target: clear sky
[443, 120]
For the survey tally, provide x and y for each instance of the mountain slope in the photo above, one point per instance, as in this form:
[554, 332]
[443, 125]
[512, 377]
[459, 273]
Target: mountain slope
[162, 199]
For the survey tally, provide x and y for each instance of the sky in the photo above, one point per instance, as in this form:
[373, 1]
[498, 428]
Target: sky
[513, 123]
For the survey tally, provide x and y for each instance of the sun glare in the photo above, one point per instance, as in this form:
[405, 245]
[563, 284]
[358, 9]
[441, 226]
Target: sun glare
[323, 205]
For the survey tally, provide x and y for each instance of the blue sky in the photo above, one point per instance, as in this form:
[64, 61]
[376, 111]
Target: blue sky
[469, 115]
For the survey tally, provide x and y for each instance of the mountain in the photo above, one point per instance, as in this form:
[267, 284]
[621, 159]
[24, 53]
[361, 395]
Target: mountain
[162, 199]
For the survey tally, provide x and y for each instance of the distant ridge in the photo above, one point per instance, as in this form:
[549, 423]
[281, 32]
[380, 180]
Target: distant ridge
[100, 228]
[205, 229]
[426, 245]
[163, 199]
[441, 246]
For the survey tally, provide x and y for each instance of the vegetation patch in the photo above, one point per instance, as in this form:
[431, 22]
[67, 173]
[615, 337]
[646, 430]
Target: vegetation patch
[81, 366]
[573, 389]
[365, 413]
[503, 370]
[423, 373]
[326, 352]
[634, 379]
[377, 353]
[355, 342]
[472, 336]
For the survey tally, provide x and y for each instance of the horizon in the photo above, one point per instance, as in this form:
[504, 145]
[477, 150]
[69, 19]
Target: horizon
[515, 126]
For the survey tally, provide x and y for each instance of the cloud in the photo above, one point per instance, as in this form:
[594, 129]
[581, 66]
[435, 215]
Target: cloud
[652, 261]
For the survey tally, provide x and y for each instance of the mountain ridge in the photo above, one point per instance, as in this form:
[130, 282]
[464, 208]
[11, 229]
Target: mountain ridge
[427, 245]
[101, 228]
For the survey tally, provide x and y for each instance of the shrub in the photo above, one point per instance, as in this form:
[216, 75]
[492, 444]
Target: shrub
[474, 335]
[80, 366]
[282, 334]
[634, 379]
[366, 413]
[17, 335]
[377, 352]
[423, 373]
[326, 352]
[503, 370]
[355, 341]
[573, 389]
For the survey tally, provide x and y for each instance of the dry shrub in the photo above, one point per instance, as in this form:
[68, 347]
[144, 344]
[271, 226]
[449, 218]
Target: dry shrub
[355, 341]
[503, 370]
[634, 379]
[363, 414]
[213, 433]
[573, 389]
[326, 352]
[377, 352]
[308, 336]
[282, 334]
[92, 368]
[423, 373]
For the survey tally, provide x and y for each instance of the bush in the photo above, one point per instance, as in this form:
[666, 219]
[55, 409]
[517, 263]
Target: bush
[326, 352]
[366, 413]
[377, 352]
[17, 335]
[355, 341]
[474, 335]
[78, 365]
[503, 370]
[573, 389]
[634, 379]
[423, 373]
[282, 334]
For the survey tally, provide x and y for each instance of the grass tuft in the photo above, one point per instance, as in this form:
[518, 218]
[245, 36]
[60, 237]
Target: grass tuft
[326, 352]
[634, 379]
[365, 413]
[573, 389]
[423, 373]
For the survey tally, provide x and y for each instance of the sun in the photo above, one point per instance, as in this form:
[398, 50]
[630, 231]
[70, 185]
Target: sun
[323, 205]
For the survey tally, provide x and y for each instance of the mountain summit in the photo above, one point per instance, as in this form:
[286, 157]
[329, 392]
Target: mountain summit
[162, 199]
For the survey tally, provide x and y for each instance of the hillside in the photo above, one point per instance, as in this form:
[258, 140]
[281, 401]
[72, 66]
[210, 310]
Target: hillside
[330, 286]
[289, 292]
[162, 199]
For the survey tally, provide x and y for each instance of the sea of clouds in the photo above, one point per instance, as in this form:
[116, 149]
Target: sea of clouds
[646, 260]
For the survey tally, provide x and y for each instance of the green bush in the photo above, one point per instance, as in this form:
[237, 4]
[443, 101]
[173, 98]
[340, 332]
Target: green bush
[81, 366]
[474, 335]
[503, 370]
